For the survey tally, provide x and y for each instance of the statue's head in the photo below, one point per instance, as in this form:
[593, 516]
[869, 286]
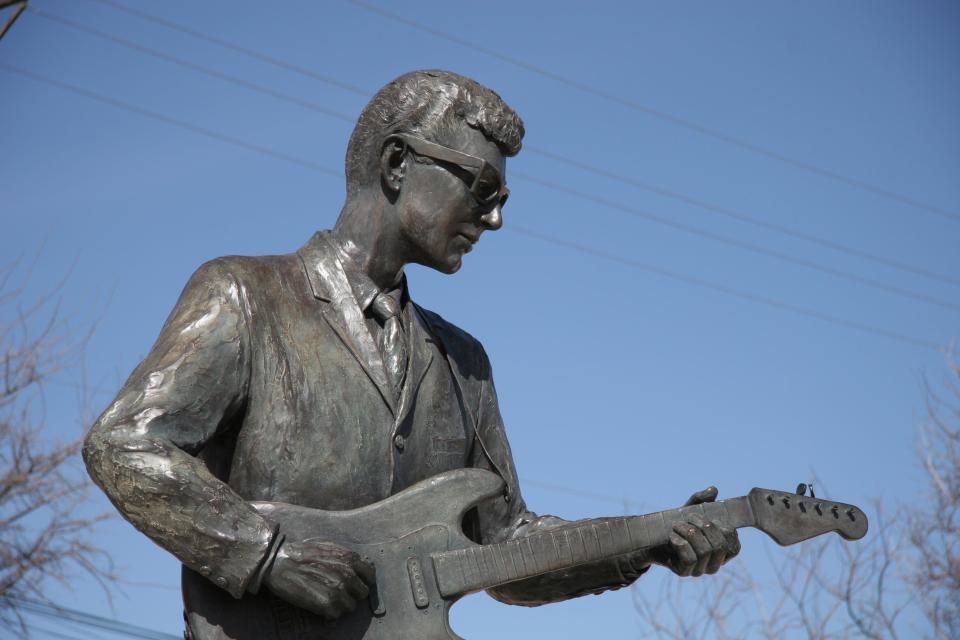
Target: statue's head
[431, 104]
[434, 144]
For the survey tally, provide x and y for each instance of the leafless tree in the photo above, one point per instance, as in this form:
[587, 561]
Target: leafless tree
[821, 589]
[44, 533]
[901, 581]
[935, 529]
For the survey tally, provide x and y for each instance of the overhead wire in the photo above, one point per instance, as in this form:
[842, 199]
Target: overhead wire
[307, 164]
[657, 113]
[233, 46]
[50, 633]
[721, 288]
[290, 66]
[193, 66]
[127, 106]
[747, 218]
[747, 246]
[634, 211]
[61, 613]
[582, 494]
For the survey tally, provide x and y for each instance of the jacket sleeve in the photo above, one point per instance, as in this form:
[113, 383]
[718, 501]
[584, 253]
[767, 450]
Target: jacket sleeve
[142, 450]
[507, 518]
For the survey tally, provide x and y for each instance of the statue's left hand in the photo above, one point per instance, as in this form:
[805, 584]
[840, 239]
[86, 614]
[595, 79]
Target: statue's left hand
[696, 546]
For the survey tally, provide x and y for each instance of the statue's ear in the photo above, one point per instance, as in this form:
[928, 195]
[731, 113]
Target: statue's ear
[392, 163]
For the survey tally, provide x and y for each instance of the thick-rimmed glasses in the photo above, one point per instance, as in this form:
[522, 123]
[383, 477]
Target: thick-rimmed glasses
[485, 182]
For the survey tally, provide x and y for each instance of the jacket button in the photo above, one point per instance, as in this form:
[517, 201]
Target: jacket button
[399, 442]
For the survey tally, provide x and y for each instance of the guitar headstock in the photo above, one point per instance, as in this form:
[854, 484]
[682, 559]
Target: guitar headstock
[789, 518]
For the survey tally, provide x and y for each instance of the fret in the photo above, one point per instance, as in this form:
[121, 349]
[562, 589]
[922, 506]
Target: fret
[645, 531]
[577, 547]
[529, 557]
[500, 567]
[564, 556]
[592, 541]
[604, 539]
[460, 560]
[486, 563]
[516, 560]
[543, 551]
[621, 535]
[475, 563]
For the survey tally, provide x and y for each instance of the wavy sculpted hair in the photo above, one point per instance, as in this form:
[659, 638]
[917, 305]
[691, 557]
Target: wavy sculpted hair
[430, 104]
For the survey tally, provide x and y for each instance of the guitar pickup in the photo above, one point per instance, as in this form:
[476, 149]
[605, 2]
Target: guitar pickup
[417, 587]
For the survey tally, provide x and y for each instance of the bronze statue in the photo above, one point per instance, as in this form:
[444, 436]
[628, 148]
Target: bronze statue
[312, 380]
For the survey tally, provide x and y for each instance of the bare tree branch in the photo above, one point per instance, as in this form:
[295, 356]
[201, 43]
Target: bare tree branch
[825, 589]
[44, 533]
[934, 531]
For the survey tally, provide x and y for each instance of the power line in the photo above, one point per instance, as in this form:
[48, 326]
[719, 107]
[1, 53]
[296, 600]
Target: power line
[57, 612]
[839, 273]
[661, 115]
[747, 246]
[251, 53]
[120, 104]
[747, 218]
[129, 44]
[579, 493]
[51, 633]
[583, 248]
[721, 288]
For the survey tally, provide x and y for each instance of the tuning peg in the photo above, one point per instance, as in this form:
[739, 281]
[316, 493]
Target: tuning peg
[802, 489]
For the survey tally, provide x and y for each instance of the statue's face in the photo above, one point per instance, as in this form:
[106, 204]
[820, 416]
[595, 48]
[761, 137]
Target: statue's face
[440, 220]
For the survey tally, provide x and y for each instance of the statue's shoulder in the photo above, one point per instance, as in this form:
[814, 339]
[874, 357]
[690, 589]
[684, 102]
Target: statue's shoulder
[459, 345]
[249, 270]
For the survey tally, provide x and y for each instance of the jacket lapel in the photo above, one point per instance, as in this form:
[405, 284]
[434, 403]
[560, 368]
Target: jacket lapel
[330, 285]
[421, 357]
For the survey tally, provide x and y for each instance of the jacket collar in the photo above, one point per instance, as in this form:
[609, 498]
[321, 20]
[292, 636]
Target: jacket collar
[323, 269]
[330, 284]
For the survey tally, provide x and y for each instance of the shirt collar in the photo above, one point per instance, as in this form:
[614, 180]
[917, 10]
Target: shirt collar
[364, 289]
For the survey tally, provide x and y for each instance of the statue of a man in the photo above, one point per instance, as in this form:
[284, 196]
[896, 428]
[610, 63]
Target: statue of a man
[313, 379]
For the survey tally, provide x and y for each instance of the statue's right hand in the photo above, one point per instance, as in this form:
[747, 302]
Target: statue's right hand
[321, 577]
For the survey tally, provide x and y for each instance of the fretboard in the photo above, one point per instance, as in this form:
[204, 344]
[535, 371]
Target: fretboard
[482, 567]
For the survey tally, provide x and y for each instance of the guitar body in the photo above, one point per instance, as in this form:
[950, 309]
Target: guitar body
[397, 535]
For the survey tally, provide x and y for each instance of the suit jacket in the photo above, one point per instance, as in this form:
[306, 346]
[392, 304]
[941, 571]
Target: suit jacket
[265, 384]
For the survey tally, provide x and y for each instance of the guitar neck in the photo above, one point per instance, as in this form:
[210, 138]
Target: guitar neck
[476, 568]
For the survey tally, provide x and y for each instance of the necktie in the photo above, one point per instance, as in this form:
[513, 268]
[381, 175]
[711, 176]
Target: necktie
[393, 340]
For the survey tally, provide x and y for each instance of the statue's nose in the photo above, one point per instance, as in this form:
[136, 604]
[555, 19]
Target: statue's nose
[492, 219]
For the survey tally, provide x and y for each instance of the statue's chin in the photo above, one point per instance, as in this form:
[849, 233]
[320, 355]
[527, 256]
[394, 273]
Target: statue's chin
[448, 266]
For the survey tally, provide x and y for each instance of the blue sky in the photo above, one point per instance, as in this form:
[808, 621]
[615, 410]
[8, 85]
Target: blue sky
[655, 357]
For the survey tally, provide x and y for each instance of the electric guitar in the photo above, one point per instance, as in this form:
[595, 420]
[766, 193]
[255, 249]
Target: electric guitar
[422, 569]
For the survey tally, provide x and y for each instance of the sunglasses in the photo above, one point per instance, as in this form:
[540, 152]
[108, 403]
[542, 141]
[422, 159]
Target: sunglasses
[485, 182]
